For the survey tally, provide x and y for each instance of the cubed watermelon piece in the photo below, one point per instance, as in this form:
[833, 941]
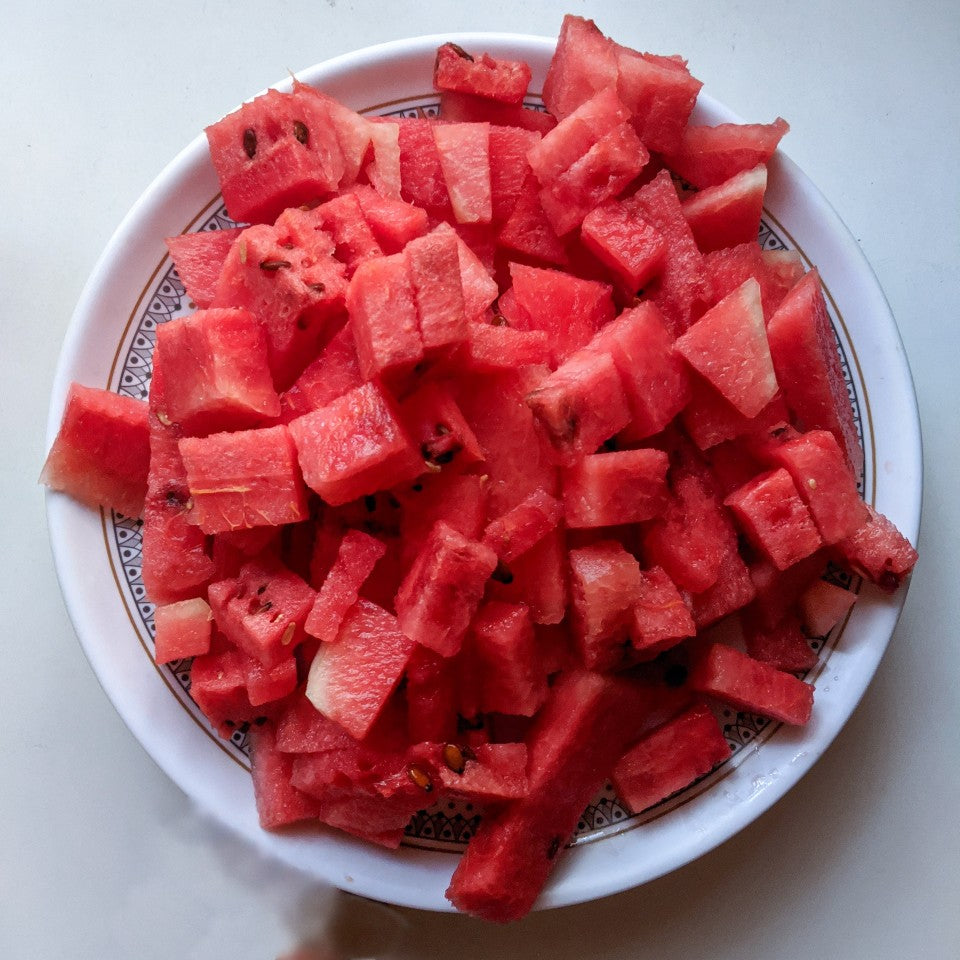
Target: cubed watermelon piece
[262, 610]
[822, 476]
[527, 231]
[488, 774]
[605, 583]
[777, 272]
[581, 404]
[774, 517]
[732, 591]
[437, 427]
[807, 364]
[101, 454]
[350, 680]
[537, 578]
[483, 76]
[383, 168]
[277, 151]
[296, 292]
[278, 802]
[466, 108]
[498, 346]
[680, 288]
[182, 629]
[199, 258]
[585, 725]
[584, 62]
[670, 758]
[879, 552]
[443, 588]
[357, 556]
[661, 616]
[433, 262]
[508, 167]
[383, 316]
[175, 560]
[431, 693]
[301, 728]
[783, 645]
[746, 684]
[778, 591]
[728, 347]
[729, 213]
[343, 219]
[600, 174]
[218, 686]
[269, 684]
[569, 309]
[219, 377]
[654, 376]
[464, 151]
[393, 221]
[503, 658]
[354, 446]
[334, 372]
[823, 605]
[248, 478]
[624, 486]
[624, 242]
[523, 526]
[707, 156]
[421, 175]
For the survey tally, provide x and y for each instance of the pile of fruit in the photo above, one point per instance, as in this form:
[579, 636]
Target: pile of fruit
[480, 426]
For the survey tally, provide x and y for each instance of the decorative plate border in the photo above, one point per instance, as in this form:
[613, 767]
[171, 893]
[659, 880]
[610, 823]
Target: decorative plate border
[448, 826]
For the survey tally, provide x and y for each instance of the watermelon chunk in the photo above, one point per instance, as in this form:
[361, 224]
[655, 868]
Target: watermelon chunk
[729, 213]
[522, 527]
[433, 262]
[431, 692]
[670, 758]
[182, 630]
[248, 478]
[823, 605]
[350, 680]
[503, 80]
[782, 646]
[747, 684]
[464, 151]
[199, 258]
[101, 454]
[879, 552]
[354, 446]
[661, 615]
[278, 802]
[620, 238]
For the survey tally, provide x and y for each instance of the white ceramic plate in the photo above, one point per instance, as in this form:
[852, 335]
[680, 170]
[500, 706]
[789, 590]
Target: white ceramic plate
[109, 343]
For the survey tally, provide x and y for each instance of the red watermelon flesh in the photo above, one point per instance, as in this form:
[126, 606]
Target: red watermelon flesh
[653, 375]
[199, 259]
[504, 664]
[484, 76]
[335, 372]
[297, 293]
[778, 591]
[583, 63]
[728, 346]
[570, 310]
[269, 684]
[276, 151]
[443, 588]
[248, 478]
[343, 219]
[222, 379]
[661, 616]
[746, 684]
[350, 680]
[431, 693]
[823, 605]
[782, 645]
[495, 347]
[605, 583]
[581, 404]
[729, 213]
[508, 167]
[358, 555]
[433, 263]
[605, 489]
[585, 725]
[680, 288]
[805, 357]
[878, 551]
[218, 686]
[466, 108]
[464, 151]
[437, 427]
[670, 758]
[732, 591]
[537, 578]
[527, 231]
[707, 156]
[777, 272]
[394, 223]
[822, 476]
[262, 610]
[101, 454]
[383, 315]
[182, 629]
[421, 175]
[600, 174]
[175, 560]
[383, 167]
[278, 802]
[354, 446]
[525, 525]
[623, 241]
[301, 728]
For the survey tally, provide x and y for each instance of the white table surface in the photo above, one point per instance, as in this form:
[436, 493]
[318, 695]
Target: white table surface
[102, 857]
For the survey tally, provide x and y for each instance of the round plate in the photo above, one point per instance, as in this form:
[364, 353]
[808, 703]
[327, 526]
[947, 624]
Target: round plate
[109, 344]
